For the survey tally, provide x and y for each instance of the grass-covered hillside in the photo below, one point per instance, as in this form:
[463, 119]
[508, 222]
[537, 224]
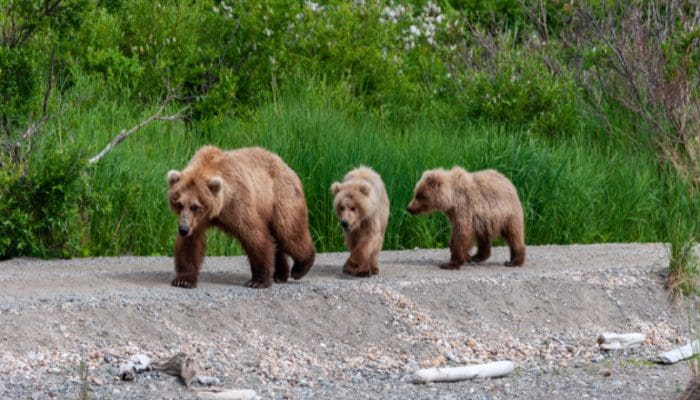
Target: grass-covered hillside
[592, 110]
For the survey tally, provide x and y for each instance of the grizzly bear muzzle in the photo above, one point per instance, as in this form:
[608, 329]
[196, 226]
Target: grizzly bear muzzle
[184, 230]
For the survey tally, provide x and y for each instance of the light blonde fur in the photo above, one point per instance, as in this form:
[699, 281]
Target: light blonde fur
[361, 202]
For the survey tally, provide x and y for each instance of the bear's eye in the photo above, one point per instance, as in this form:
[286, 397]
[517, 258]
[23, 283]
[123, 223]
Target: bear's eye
[342, 208]
[194, 209]
[178, 206]
[420, 196]
[352, 209]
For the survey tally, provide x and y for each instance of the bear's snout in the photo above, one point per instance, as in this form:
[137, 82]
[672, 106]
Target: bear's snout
[344, 224]
[184, 230]
[411, 210]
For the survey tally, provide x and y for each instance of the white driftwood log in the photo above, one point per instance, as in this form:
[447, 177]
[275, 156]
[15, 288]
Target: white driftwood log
[226, 394]
[490, 370]
[680, 353]
[616, 341]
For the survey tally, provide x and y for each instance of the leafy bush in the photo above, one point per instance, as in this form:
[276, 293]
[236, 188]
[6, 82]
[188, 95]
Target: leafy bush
[514, 85]
[17, 84]
[44, 207]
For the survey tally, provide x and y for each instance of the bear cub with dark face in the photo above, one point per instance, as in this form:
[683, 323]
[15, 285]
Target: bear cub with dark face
[482, 204]
[250, 194]
[362, 206]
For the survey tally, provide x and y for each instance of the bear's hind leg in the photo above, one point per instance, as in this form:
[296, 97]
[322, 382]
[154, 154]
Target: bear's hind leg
[514, 236]
[301, 249]
[189, 254]
[281, 266]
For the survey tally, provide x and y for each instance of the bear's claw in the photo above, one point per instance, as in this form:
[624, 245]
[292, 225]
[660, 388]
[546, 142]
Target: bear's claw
[258, 285]
[450, 266]
[183, 283]
[510, 264]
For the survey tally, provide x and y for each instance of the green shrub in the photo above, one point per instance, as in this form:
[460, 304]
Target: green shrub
[17, 83]
[44, 205]
[514, 85]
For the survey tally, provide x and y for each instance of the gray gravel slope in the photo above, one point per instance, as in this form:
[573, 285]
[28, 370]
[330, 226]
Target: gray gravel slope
[333, 336]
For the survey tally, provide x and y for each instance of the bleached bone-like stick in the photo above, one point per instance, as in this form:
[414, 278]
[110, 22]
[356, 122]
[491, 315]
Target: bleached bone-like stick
[679, 353]
[490, 370]
[616, 341]
[226, 394]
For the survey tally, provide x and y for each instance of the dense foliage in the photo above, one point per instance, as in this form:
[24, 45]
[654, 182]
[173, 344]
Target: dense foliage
[592, 109]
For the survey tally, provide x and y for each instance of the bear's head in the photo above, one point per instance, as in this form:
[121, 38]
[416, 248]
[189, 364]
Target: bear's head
[431, 193]
[352, 203]
[195, 199]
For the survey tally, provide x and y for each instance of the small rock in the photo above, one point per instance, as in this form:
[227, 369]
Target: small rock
[450, 356]
[96, 381]
[207, 380]
[563, 364]
[471, 343]
[606, 372]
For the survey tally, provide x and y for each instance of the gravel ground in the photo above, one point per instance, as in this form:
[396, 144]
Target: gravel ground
[333, 336]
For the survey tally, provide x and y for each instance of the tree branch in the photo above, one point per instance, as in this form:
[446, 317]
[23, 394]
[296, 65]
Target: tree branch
[158, 116]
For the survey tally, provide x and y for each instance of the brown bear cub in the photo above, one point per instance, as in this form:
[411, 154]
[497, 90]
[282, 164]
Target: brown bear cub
[250, 194]
[362, 205]
[484, 204]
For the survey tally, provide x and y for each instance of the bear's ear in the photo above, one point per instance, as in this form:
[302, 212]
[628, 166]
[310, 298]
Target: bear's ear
[432, 180]
[364, 189]
[335, 188]
[173, 177]
[215, 184]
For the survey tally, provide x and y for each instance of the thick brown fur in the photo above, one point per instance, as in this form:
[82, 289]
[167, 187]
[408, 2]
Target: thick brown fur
[250, 194]
[482, 204]
[362, 206]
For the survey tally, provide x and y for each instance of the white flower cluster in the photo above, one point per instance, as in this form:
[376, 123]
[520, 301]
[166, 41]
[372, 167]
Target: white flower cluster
[425, 25]
[226, 10]
[392, 14]
[314, 7]
[431, 16]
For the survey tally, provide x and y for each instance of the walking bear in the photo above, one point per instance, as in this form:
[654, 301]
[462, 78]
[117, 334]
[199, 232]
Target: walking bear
[362, 205]
[484, 204]
[250, 194]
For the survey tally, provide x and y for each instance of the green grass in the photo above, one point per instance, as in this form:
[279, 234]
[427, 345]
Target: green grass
[574, 189]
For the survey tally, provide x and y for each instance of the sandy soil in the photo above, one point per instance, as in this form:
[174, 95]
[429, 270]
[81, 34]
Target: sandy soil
[333, 336]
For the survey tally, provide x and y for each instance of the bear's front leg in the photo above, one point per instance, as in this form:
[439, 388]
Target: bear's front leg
[358, 264]
[189, 254]
[260, 249]
[460, 243]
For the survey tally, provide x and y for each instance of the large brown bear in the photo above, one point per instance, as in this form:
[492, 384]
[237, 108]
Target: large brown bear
[484, 204]
[362, 205]
[252, 195]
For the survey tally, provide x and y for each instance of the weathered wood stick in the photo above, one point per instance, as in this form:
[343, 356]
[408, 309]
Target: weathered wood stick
[226, 394]
[179, 365]
[679, 353]
[490, 370]
[616, 341]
